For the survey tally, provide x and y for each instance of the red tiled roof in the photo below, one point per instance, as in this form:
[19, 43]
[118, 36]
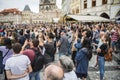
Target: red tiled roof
[12, 10]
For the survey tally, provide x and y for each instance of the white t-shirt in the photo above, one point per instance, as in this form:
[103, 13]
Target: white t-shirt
[17, 64]
[70, 76]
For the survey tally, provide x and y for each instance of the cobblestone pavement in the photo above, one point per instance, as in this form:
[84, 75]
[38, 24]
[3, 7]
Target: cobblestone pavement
[111, 72]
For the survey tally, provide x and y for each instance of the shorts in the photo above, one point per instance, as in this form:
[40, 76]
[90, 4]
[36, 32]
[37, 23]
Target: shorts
[81, 75]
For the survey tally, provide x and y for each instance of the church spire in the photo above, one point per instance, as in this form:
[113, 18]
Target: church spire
[26, 8]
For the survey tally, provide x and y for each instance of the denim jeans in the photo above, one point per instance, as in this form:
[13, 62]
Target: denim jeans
[36, 75]
[101, 63]
[113, 44]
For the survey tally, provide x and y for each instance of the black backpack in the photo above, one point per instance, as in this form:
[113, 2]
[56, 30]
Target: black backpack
[1, 61]
[89, 54]
[38, 61]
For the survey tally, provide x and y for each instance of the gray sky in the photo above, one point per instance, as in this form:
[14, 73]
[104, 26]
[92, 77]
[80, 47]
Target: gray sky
[20, 4]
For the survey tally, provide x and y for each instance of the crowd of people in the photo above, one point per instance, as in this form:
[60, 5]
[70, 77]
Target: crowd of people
[19, 45]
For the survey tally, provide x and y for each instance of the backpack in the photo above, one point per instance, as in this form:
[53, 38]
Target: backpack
[50, 52]
[108, 55]
[50, 48]
[89, 55]
[38, 61]
[1, 61]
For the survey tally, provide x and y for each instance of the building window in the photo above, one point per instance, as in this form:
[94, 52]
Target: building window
[73, 11]
[85, 4]
[104, 1]
[93, 3]
[77, 10]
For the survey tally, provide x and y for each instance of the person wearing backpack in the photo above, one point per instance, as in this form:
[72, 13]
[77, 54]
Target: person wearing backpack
[50, 48]
[84, 55]
[82, 59]
[5, 52]
[35, 56]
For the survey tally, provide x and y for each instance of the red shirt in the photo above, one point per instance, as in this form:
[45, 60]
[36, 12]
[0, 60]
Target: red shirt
[30, 53]
[1, 30]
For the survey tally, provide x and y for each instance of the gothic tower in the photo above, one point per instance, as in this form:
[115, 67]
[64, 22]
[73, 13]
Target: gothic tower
[47, 5]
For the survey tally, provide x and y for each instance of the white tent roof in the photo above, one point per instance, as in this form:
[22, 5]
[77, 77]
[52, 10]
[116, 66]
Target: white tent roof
[89, 18]
[56, 20]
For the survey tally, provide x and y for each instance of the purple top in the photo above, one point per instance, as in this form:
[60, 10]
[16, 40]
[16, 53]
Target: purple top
[4, 51]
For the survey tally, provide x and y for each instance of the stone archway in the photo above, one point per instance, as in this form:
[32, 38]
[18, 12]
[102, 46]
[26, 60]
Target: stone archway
[105, 15]
[88, 14]
[118, 15]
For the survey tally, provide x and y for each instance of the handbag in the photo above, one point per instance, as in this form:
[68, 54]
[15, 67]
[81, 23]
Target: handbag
[1, 61]
[108, 55]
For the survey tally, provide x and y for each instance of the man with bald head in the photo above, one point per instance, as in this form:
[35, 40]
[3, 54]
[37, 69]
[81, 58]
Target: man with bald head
[53, 72]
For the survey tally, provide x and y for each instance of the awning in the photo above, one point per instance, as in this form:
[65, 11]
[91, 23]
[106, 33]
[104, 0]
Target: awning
[56, 20]
[117, 17]
[88, 18]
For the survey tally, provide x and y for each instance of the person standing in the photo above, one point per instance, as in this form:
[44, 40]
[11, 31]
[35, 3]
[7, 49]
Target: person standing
[114, 37]
[82, 59]
[101, 52]
[31, 53]
[18, 66]
[7, 52]
[63, 44]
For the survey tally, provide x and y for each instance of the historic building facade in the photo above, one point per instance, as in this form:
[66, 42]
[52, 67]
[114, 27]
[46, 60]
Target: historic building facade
[27, 15]
[66, 7]
[104, 8]
[38, 18]
[47, 5]
[10, 16]
[49, 9]
[75, 7]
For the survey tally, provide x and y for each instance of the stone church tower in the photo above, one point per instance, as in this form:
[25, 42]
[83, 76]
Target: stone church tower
[49, 9]
[47, 5]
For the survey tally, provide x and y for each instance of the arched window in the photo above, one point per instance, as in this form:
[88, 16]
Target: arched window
[105, 15]
[104, 2]
[118, 15]
[77, 10]
[85, 4]
[73, 11]
[93, 3]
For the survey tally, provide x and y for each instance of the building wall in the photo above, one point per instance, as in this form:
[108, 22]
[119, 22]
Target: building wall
[115, 8]
[38, 18]
[15, 19]
[27, 17]
[75, 7]
[66, 6]
[46, 5]
[111, 8]
[49, 9]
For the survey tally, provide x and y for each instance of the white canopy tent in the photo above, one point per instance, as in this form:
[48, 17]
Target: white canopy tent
[88, 18]
[56, 20]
